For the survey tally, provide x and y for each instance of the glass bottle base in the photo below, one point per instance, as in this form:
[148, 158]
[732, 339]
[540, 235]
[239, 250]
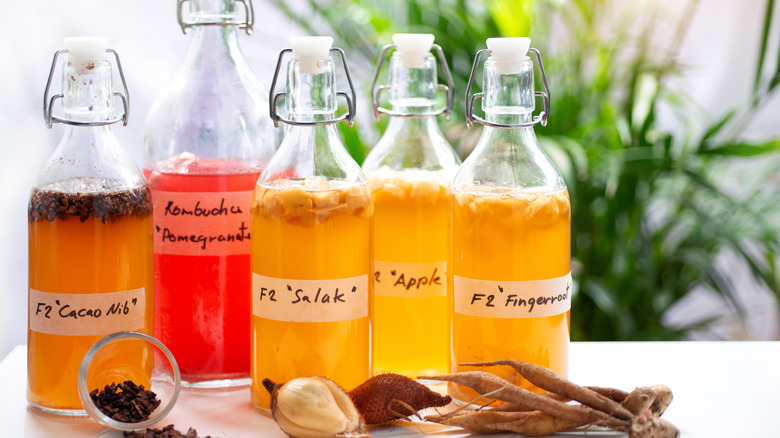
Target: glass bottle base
[59, 412]
[230, 382]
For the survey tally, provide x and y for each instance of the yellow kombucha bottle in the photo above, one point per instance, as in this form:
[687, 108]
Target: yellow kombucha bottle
[89, 240]
[410, 171]
[312, 217]
[511, 237]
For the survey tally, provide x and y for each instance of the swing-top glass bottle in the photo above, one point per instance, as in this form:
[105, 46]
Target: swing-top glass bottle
[510, 228]
[310, 275]
[90, 234]
[409, 172]
[208, 136]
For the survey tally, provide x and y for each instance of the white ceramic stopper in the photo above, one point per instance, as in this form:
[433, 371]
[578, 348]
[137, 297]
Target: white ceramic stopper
[310, 51]
[84, 51]
[413, 48]
[509, 53]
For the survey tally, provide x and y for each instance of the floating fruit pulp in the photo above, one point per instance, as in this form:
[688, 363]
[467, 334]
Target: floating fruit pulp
[312, 229]
[203, 301]
[411, 225]
[510, 235]
[71, 256]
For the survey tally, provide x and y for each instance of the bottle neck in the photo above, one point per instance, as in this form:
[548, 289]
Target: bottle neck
[214, 45]
[87, 90]
[509, 95]
[412, 86]
[311, 94]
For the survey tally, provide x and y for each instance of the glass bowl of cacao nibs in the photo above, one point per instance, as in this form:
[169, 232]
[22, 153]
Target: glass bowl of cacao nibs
[128, 381]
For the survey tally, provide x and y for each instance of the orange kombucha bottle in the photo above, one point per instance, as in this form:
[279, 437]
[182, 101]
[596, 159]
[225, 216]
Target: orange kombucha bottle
[510, 234]
[410, 172]
[311, 242]
[90, 240]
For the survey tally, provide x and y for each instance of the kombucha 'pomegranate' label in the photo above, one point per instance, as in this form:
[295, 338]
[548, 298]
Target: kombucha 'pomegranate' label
[87, 314]
[512, 299]
[204, 223]
[410, 279]
[334, 300]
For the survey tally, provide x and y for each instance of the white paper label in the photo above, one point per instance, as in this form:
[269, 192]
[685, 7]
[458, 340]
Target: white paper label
[512, 299]
[87, 314]
[410, 279]
[280, 299]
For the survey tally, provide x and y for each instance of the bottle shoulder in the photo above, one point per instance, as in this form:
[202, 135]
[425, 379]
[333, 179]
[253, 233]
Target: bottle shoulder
[412, 146]
[89, 160]
[509, 158]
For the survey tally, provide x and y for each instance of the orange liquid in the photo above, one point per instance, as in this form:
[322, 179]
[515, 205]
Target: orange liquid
[310, 233]
[411, 334]
[499, 236]
[68, 256]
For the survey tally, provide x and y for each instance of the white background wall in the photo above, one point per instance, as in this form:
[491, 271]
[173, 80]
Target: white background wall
[720, 54]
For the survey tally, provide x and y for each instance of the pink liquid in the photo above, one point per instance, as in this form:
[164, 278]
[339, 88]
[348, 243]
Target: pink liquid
[202, 310]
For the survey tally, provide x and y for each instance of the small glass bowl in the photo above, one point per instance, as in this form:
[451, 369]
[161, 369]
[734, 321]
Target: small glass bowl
[129, 356]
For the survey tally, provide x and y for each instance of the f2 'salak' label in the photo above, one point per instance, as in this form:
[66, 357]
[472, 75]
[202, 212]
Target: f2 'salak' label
[512, 299]
[340, 299]
[207, 223]
[87, 314]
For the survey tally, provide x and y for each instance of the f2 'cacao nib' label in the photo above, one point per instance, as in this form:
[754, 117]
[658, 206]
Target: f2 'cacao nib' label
[512, 299]
[87, 314]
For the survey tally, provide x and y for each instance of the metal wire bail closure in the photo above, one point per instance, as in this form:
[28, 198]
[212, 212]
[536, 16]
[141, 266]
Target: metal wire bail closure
[49, 103]
[247, 24]
[448, 89]
[471, 99]
[273, 101]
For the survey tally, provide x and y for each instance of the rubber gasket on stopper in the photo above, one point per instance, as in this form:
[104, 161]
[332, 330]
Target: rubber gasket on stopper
[509, 53]
[309, 51]
[413, 48]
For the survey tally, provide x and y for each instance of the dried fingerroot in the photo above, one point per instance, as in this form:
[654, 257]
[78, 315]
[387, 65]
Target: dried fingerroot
[546, 379]
[500, 389]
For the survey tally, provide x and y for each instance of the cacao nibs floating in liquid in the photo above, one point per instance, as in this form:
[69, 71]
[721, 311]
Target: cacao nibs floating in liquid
[125, 402]
[166, 432]
[50, 205]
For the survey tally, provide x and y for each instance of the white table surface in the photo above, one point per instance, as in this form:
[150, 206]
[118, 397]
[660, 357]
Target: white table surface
[721, 389]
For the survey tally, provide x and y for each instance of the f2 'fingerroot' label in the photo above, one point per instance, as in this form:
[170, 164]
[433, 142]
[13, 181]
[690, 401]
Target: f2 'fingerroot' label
[512, 299]
[291, 300]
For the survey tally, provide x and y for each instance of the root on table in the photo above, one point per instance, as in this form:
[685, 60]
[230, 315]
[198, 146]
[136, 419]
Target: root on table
[636, 413]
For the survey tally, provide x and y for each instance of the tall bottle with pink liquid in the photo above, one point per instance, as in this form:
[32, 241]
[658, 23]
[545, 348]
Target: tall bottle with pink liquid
[207, 138]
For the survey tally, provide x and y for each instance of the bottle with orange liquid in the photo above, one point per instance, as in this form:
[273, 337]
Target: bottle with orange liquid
[208, 137]
[510, 229]
[313, 209]
[90, 234]
[409, 172]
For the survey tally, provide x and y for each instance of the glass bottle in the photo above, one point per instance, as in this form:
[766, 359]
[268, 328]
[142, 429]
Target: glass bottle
[208, 137]
[90, 234]
[310, 273]
[409, 172]
[510, 229]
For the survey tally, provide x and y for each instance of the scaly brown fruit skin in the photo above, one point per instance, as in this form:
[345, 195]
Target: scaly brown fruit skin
[377, 399]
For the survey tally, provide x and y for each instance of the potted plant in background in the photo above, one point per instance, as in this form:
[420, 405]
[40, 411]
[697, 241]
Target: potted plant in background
[658, 213]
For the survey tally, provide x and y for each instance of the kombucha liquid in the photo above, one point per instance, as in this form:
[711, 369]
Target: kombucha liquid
[203, 300]
[503, 236]
[312, 230]
[411, 324]
[84, 254]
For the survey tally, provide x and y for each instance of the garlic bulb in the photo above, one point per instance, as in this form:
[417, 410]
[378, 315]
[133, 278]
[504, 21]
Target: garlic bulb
[313, 407]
